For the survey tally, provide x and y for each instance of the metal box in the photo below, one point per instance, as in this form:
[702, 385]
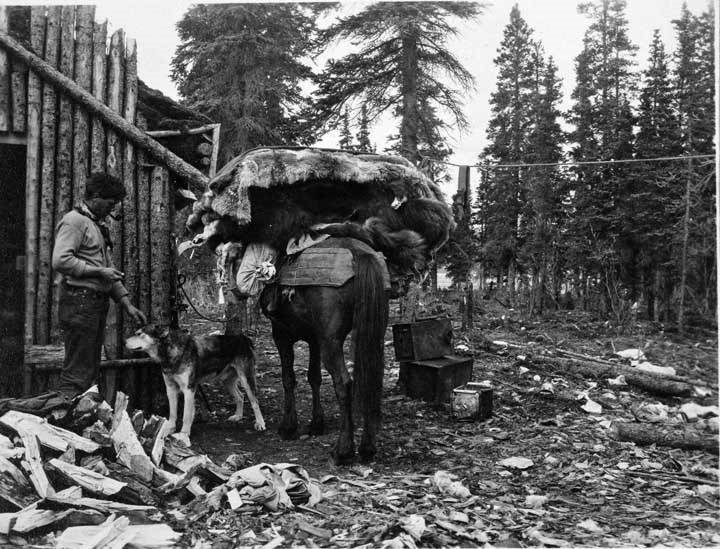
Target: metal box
[423, 339]
[472, 402]
[433, 380]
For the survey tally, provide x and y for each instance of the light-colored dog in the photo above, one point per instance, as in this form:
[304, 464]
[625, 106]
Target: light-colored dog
[185, 360]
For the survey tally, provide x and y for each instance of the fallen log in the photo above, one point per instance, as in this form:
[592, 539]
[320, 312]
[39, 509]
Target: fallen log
[674, 436]
[655, 384]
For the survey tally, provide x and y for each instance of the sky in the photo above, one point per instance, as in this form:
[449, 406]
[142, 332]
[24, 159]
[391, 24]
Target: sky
[556, 23]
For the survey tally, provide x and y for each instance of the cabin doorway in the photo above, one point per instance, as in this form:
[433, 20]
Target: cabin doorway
[12, 268]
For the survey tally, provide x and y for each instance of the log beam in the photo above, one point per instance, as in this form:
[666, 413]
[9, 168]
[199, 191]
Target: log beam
[178, 166]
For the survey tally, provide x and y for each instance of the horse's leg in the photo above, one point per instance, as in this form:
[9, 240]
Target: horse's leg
[317, 424]
[289, 424]
[332, 357]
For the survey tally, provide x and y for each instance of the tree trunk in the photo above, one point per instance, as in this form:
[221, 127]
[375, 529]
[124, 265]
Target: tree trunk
[410, 122]
[683, 261]
[511, 282]
[97, 150]
[657, 288]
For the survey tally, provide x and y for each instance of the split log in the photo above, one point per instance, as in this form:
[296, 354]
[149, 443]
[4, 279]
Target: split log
[141, 490]
[154, 434]
[15, 489]
[88, 480]
[102, 505]
[64, 154]
[140, 535]
[85, 16]
[5, 119]
[99, 434]
[128, 448]
[172, 161]
[184, 459]
[659, 385]
[33, 519]
[674, 436]
[49, 436]
[47, 181]
[109, 532]
[99, 92]
[32, 169]
[33, 461]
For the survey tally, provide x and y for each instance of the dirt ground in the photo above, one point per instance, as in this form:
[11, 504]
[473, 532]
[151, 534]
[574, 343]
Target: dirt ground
[581, 486]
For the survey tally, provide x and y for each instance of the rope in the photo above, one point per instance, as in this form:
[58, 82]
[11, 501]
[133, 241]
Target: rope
[488, 167]
[181, 281]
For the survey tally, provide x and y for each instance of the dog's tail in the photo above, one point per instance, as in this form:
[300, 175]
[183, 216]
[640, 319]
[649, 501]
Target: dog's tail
[370, 321]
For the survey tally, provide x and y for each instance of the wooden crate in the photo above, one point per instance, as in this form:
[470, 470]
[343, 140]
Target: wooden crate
[423, 339]
[433, 380]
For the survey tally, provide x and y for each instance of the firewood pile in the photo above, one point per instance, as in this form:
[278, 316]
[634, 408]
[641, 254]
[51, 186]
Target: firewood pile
[111, 477]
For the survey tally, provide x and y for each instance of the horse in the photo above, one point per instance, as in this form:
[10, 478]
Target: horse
[323, 316]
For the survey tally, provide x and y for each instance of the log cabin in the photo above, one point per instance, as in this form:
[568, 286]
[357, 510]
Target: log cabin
[71, 104]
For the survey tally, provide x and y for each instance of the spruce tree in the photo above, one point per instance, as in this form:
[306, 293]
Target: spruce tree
[603, 119]
[345, 135]
[363, 136]
[694, 82]
[242, 65]
[511, 107]
[402, 53]
[656, 194]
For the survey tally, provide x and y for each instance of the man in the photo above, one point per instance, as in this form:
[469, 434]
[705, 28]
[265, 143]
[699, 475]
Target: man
[82, 255]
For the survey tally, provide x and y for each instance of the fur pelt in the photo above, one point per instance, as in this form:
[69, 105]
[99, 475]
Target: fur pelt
[406, 219]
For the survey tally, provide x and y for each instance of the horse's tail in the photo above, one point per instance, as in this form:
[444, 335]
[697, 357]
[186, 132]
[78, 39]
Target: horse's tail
[370, 321]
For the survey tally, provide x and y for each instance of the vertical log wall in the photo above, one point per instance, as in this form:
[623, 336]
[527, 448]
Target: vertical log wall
[64, 145]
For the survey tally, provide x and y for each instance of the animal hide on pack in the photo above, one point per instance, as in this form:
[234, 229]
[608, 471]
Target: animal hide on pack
[275, 195]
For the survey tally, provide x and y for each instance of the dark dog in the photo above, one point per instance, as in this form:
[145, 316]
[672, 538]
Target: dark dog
[185, 360]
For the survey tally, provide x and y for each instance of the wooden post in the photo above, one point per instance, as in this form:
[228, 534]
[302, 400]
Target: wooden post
[97, 154]
[130, 229]
[84, 21]
[172, 161]
[5, 119]
[18, 83]
[113, 332]
[63, 168]
[143, 221]
[32, 195]
[47, 185]
[160, 245]
[147, 377]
